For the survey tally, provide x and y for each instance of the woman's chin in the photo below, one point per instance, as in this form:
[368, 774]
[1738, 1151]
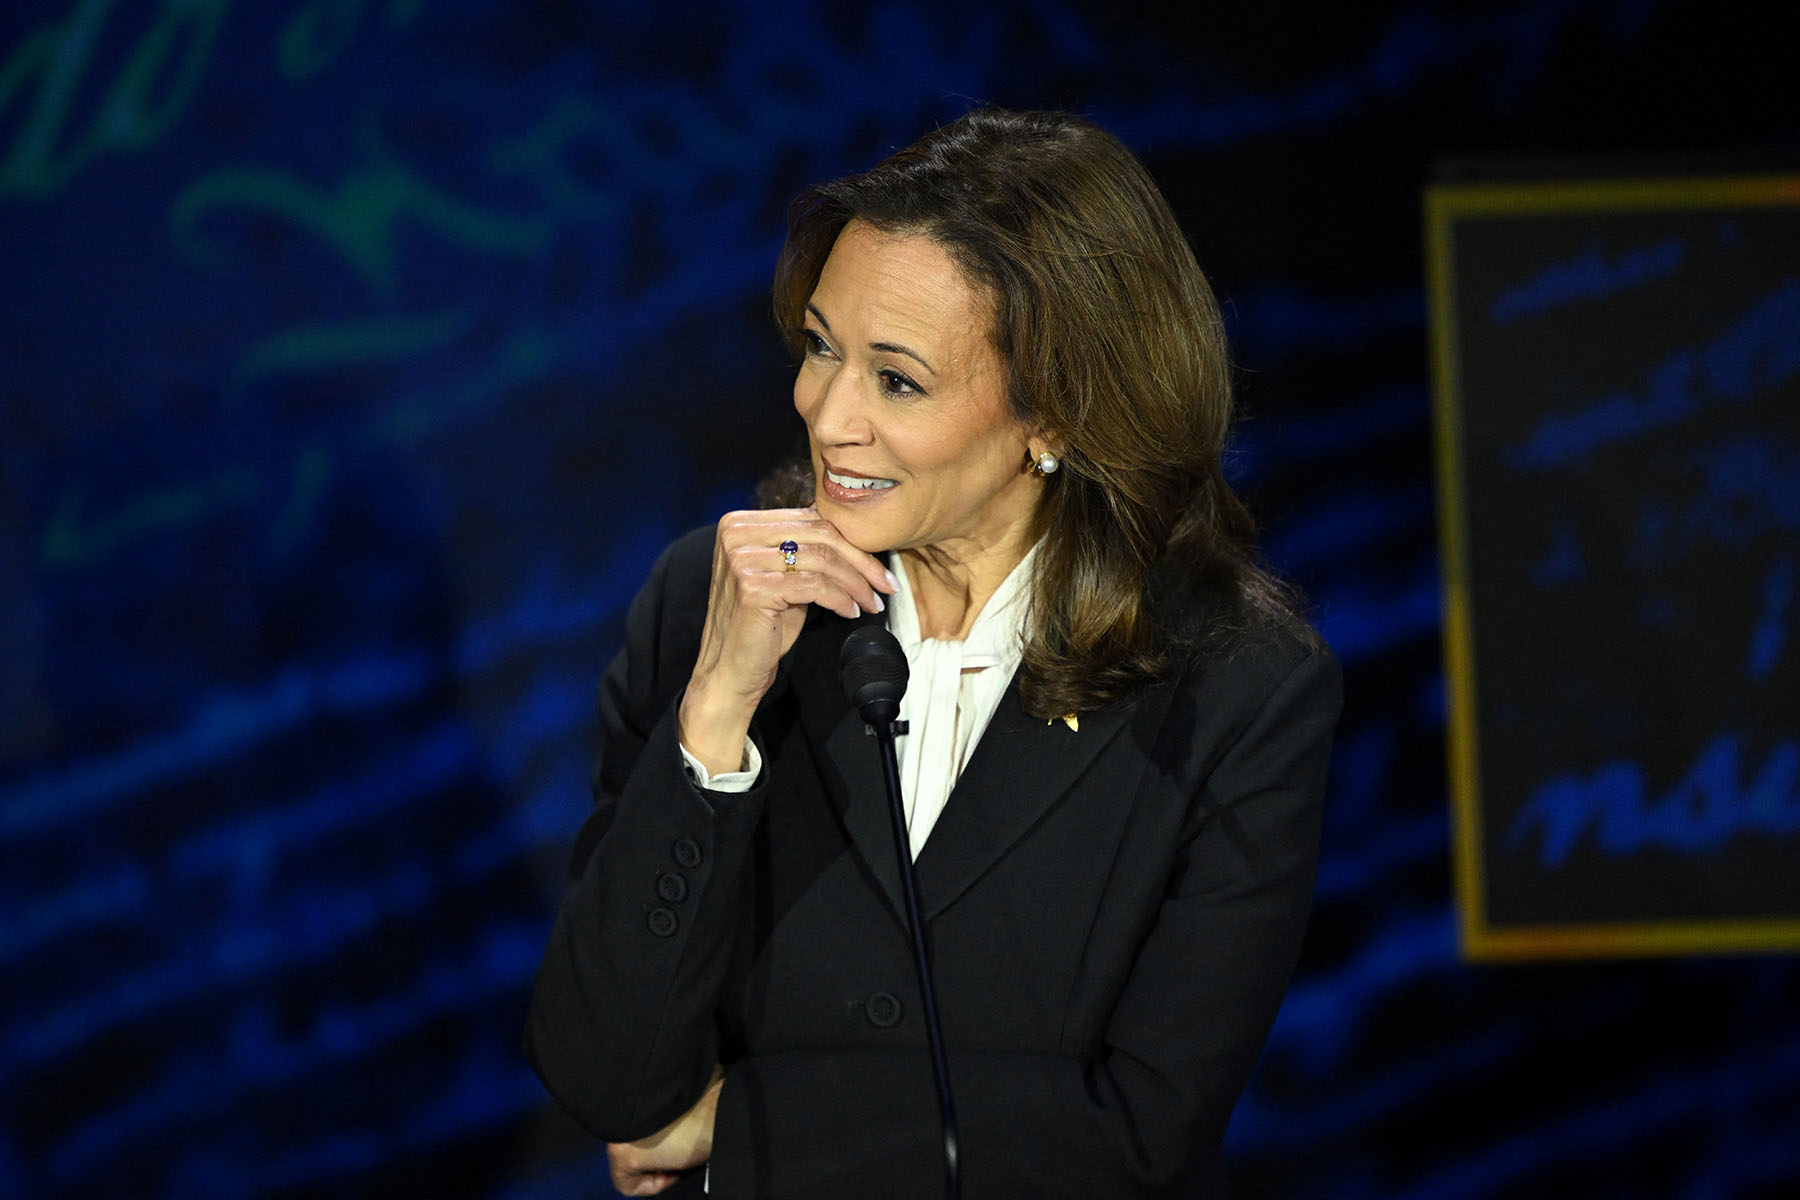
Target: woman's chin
[861, 529]
[864, 535]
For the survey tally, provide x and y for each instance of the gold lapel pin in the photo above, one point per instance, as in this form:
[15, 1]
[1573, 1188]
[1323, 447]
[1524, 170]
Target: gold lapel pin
[1069, 719]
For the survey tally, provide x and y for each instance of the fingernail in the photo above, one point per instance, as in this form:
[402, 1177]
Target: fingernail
[892, 582]
[857, 607]
[880, 604]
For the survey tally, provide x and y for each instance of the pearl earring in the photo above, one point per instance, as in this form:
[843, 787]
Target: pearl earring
[1046, 464]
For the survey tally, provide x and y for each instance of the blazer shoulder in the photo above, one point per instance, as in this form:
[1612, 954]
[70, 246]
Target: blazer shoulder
[1253, 715]
[664, 623]
[1259, 661]
[684, 570]
[1274, 668]
[1220, 638]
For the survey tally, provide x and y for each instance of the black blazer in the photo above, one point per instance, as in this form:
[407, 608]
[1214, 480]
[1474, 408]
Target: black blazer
[1113, 914]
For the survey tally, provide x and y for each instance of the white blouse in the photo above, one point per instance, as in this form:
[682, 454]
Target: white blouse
[951, 695]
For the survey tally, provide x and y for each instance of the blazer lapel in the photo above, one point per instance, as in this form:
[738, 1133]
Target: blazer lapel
[1020, 769]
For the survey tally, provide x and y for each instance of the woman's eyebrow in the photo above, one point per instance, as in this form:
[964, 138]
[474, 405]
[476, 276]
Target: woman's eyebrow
[897, 348]
[886, 347]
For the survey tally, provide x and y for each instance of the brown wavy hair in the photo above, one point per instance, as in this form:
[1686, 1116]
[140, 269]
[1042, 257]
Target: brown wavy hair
[1115, 351]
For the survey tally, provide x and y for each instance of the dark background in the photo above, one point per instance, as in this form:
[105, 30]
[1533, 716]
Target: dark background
[357, 358]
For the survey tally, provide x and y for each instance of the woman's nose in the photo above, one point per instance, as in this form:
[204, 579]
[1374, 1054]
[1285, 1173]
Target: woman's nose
[838, 416]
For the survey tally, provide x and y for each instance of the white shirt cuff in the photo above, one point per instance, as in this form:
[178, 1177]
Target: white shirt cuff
[740, 780]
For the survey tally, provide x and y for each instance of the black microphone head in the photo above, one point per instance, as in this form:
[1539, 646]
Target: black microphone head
[873, 668]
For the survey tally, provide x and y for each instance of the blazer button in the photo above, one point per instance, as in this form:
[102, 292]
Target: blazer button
[662, 922]
[671, 887]
[883, 1010]
[686, 852]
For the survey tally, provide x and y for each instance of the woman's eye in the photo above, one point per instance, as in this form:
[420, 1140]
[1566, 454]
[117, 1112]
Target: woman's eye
[894, 383]
[813, 344]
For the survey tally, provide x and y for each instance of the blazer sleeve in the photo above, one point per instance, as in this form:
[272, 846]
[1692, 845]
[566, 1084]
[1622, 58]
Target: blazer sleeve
[621, 1026]
[1146, 1115]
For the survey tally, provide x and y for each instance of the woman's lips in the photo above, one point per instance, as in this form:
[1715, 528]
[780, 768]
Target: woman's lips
[848, 487]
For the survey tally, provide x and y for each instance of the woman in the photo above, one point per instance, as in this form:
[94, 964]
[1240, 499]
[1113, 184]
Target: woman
[1016, 395]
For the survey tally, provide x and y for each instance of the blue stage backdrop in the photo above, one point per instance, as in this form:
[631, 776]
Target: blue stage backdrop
[357, 356]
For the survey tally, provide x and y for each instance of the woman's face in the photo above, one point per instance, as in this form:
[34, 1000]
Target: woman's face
[903, 394]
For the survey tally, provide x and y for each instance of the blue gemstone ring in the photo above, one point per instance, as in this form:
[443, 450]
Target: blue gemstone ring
[789, 552]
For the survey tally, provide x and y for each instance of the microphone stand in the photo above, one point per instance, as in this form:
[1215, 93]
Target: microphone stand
[909, 886]
[874, 671]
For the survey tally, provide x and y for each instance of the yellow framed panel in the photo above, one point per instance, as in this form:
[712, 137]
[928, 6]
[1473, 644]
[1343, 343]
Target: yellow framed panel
[1445, 206]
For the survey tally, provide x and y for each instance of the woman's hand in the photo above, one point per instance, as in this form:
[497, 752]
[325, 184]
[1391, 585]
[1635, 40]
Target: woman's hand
[649, 1165]
[754, 612]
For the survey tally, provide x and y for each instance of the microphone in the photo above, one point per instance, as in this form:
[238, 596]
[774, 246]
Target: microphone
[874, 672]
[873, 668]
